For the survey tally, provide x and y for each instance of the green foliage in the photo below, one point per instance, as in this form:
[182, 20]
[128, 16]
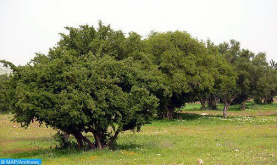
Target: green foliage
[229, 51]
[254, 77]
[186, 67]
[101, 41]
[267, 85]
[223, 74]
[5, 93]
[244, 67]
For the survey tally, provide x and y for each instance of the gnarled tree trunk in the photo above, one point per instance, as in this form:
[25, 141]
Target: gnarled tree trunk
[85, 139]
[112, 139]
[79, 140]
[98, 142]
[203, 104]
[268, 100]
[97, 139]
[169, 112]
[243, 106]
[226, 105]
[212, 103]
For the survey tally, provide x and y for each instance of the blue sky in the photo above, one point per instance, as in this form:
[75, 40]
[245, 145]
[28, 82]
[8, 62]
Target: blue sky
[33, 26]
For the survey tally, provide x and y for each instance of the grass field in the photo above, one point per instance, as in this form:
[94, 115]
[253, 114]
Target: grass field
[246, 137]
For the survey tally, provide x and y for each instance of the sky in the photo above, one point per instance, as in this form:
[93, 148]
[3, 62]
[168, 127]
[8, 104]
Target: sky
[31, 26]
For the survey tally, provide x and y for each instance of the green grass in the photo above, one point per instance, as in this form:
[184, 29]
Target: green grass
[246, 137]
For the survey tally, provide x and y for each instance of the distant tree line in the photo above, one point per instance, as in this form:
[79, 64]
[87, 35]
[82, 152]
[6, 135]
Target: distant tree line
[101, 81]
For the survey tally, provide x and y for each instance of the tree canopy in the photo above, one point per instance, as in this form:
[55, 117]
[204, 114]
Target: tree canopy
[79, 87]
[185, 64]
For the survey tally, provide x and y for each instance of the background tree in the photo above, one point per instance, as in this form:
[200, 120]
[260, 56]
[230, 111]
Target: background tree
[220, 69]
[252, 71]
[184, 62]
[267, 85]
[228, 88]
[259, 70]
[243, 67]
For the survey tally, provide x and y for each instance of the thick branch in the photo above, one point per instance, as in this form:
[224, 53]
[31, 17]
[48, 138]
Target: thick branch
[79, 140]
[85, 139]
[97, 140]
[96, 137]
[232, 99]
[112, 139]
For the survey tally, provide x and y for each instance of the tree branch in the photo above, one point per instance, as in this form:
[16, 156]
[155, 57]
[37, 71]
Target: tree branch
[112, 139]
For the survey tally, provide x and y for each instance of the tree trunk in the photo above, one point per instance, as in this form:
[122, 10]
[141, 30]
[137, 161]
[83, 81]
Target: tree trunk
[203, 104]
[226, 105]
[169, 112]
[85, 139]
[98, 141]
[243, 106]
[112, 139]
[268, 100]
[79, 140]
[212, 103]
[65, 135]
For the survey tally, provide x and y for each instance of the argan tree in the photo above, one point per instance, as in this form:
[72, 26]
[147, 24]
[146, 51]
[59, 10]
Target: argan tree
[267, 85]
[93, 81]
[260, 74]
[228, 89]
[243, 67]
[185, 64]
